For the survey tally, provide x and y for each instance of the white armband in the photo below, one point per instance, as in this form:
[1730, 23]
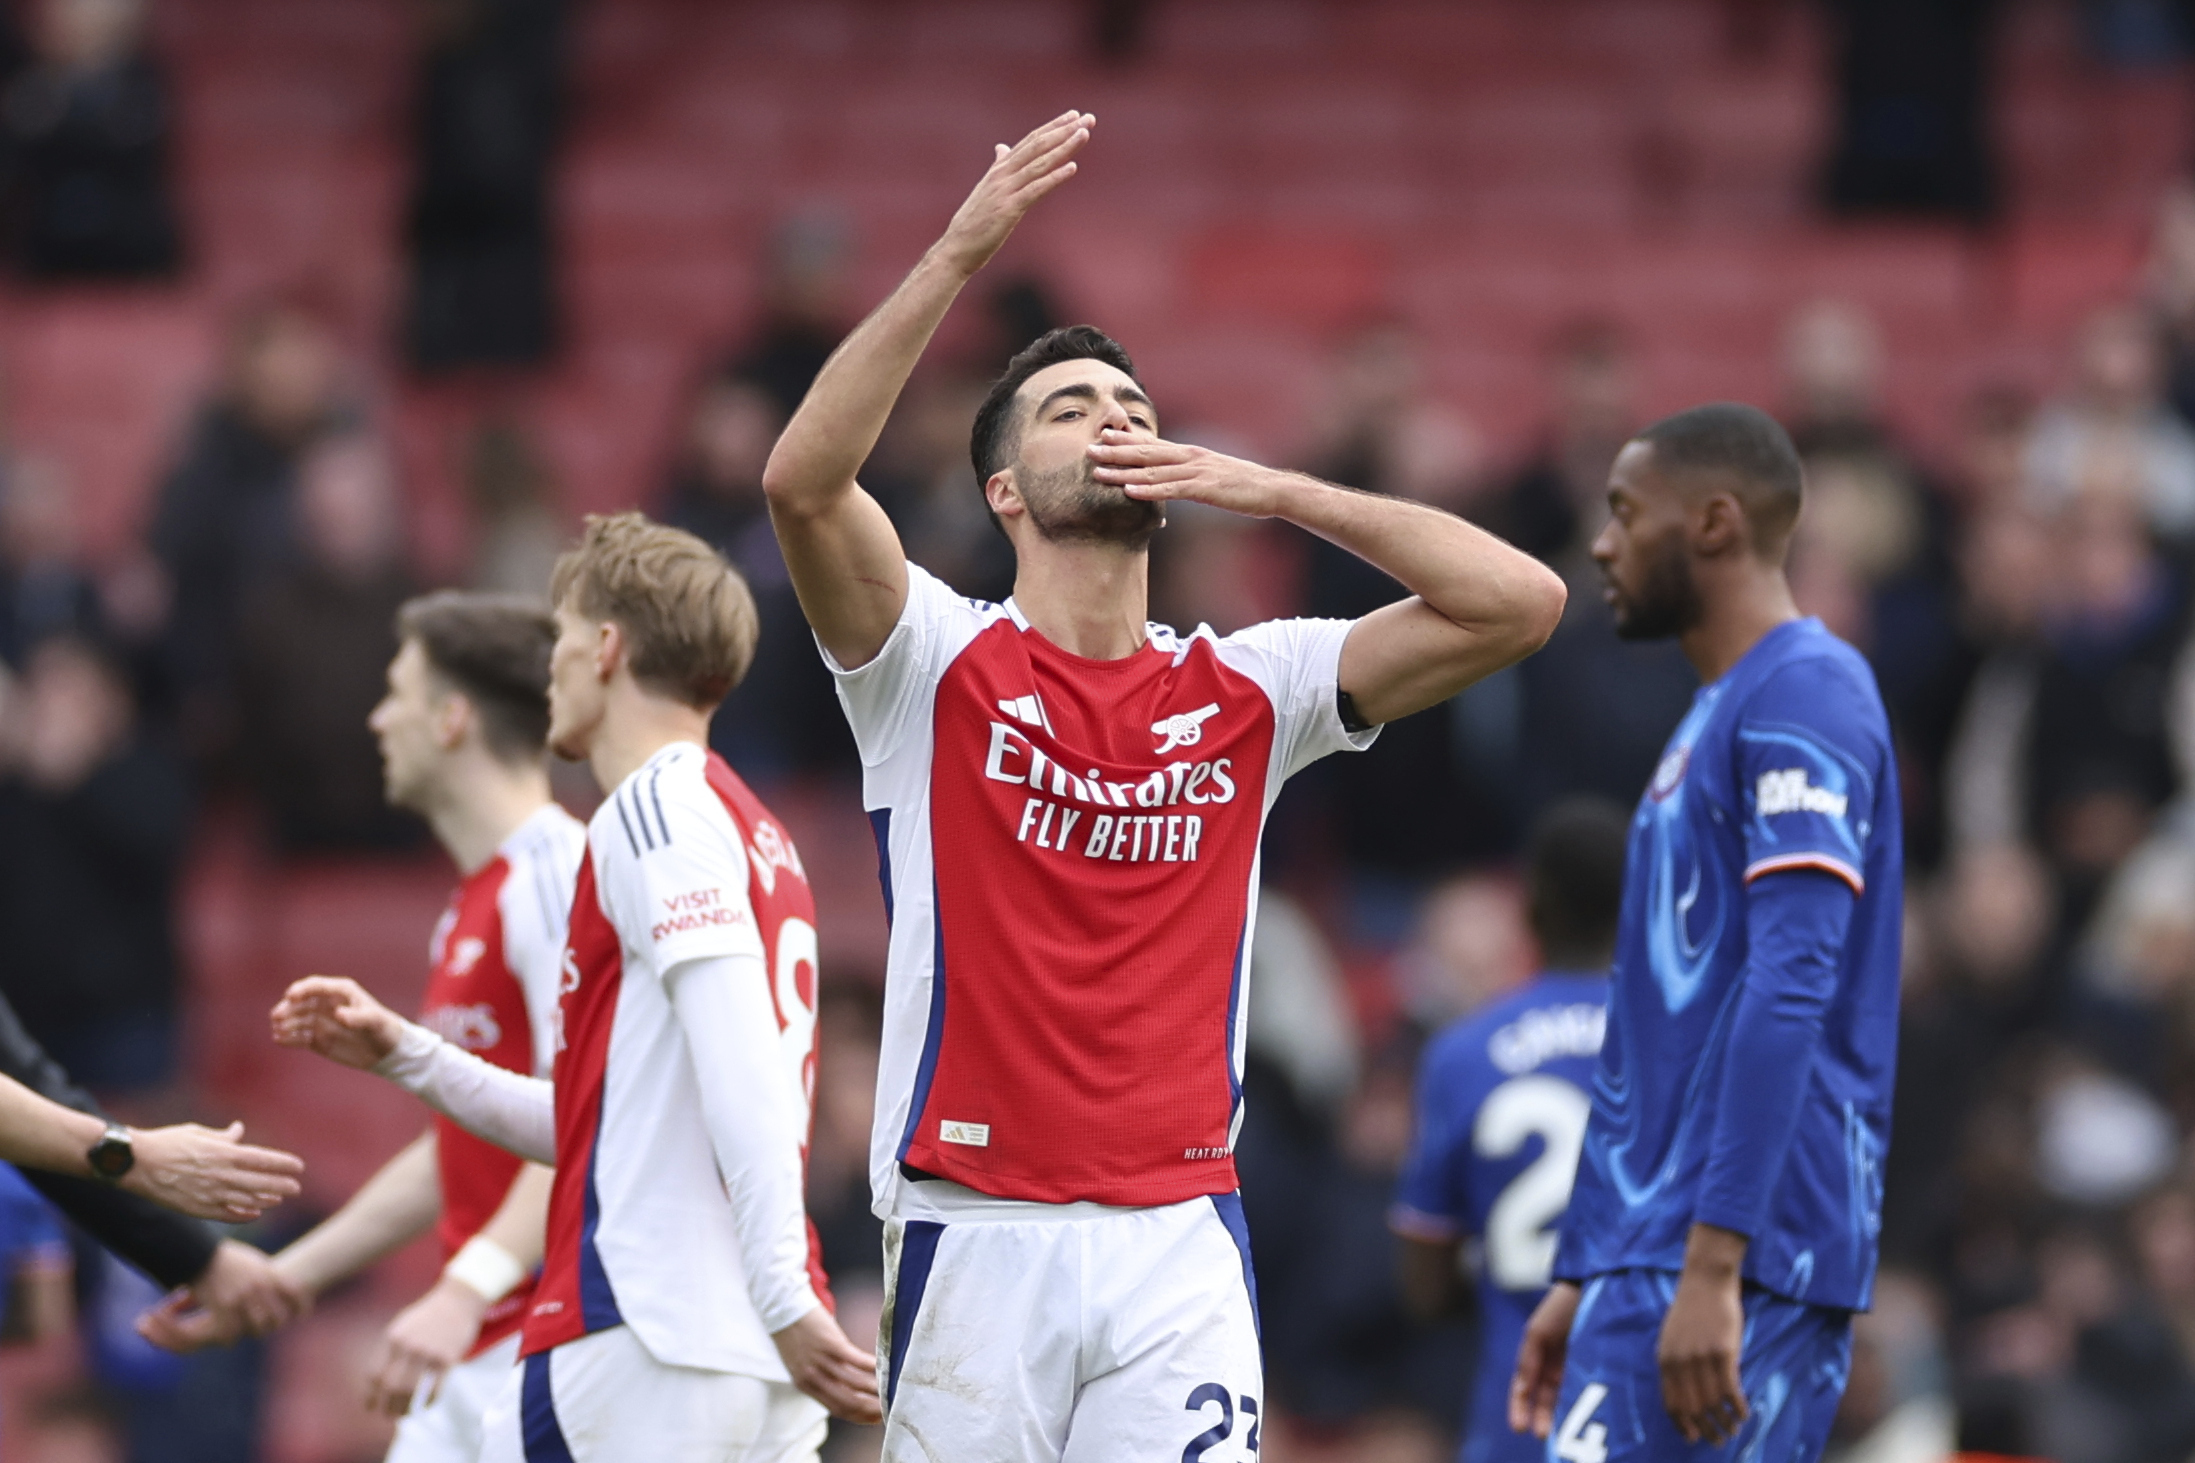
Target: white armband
[485, 1268]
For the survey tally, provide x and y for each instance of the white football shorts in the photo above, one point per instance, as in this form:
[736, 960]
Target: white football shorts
[447, 1430]
[604, 1399]
[1026, 1333]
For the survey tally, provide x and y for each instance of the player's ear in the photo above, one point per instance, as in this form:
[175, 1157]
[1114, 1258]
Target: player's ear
[1003, 494]
[452, 719]
[609, 649]
[1719, 526]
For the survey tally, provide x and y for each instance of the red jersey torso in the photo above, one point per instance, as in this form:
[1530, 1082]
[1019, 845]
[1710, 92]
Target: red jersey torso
[509, 911]
[1070, 856]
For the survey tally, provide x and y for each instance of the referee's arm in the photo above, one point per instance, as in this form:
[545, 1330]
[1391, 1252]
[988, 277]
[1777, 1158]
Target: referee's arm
[169, 1247]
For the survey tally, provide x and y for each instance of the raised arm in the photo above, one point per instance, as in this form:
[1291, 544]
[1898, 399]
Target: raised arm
[1477, 604]
[844, 556]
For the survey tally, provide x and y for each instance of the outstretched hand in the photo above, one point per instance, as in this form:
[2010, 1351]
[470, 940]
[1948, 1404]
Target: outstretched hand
[1158, 471]
[241, 1293]
[209, 1173]
[1017, 178]
[336, 1018]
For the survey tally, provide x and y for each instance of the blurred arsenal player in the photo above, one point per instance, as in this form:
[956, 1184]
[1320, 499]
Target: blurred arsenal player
[1068, 802]
[463, 732]
[681, 1313]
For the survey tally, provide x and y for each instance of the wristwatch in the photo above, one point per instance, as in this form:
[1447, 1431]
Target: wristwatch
[111, 1157]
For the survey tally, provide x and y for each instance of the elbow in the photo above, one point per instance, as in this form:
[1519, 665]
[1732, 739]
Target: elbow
[779, 479]
[1539, 602]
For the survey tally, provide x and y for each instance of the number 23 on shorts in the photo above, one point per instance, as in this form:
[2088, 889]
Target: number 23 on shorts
[1201, 1401]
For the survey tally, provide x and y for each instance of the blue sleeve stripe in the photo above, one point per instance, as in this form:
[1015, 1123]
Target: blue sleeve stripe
[1821, 861]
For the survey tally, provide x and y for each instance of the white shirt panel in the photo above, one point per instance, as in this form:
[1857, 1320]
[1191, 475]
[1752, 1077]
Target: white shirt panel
[535, 903]
[672, 879]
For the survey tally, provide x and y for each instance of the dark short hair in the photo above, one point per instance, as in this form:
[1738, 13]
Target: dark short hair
[493, 649]
[996, 435]
[1574, 879]
[1745, 444]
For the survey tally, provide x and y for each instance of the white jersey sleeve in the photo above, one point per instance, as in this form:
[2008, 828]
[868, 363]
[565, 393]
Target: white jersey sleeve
[1298, 664]
[536, 908]
[889, 696]
[677, 889]
[756, 1121]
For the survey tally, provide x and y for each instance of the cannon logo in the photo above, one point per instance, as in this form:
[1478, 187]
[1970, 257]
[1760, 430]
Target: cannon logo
[1183, 728]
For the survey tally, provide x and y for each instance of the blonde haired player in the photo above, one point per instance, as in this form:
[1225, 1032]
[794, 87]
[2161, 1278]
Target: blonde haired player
[1068, 801]
[463, 731]
[681, 1314]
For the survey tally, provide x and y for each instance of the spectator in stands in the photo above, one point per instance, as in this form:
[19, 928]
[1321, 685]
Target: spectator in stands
[94, 816]
[2100, 750]
[44, 587]
[784, 716]
[87, 128]
[926, 482]
[481, 234]
[2116, 407]
[804, 308]
[2170, 291]
[1597, 709]
[1913, 116]
[517, 530]
[224, 521]
[1553, 505]
[1440, 792]
[316, 640]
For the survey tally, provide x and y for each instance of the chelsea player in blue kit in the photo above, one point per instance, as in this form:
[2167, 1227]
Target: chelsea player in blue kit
[1723, 1225]
[1501, 1113]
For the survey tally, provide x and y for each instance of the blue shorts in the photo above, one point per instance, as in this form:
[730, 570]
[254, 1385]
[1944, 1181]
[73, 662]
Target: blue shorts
[1794, 1363]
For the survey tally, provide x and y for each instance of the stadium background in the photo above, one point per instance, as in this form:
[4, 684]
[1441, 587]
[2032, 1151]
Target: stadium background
[1451, 249]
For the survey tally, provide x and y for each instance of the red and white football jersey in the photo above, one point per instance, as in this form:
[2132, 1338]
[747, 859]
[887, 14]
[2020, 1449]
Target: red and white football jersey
[683, 863]
[496, 954]
[1070, 864]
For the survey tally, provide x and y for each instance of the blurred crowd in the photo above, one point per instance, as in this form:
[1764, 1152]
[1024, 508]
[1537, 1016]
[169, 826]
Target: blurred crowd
[2027, 598]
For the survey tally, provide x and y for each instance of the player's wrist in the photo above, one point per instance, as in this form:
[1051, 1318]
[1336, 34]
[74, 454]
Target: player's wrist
[484, 1271]
[1714, 1253]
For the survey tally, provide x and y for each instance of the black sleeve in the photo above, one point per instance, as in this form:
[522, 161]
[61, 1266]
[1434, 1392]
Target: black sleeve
[170, 1247]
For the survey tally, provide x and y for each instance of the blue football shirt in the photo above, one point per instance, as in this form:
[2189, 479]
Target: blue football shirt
[1501, 1111]
[1783, 764]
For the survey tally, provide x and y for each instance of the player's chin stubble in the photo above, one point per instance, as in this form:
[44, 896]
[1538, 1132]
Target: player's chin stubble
[1069, 505]
[1666, 601]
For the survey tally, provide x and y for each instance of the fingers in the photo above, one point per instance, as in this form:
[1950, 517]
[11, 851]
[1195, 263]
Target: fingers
[1705, 1398]
[1521, 1387]
[1044, 139]
[1115, 448]
[394, 1380]
[173, 1325]
[847, 1388]
[1042, 160]
[271, 1161]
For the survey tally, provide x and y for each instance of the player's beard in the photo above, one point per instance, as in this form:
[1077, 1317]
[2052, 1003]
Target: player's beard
[1069, 505]
[1667, 599]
